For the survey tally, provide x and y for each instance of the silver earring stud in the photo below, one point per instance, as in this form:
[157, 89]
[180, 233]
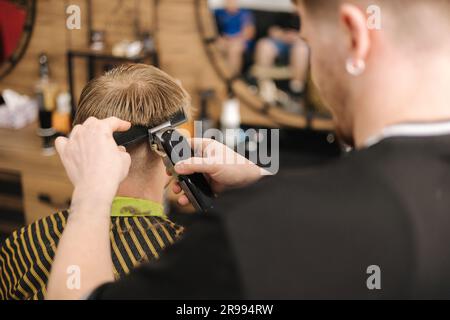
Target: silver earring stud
[355, 67]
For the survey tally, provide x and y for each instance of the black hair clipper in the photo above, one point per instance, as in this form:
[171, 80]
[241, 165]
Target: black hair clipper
[176, 148]
[173, 147]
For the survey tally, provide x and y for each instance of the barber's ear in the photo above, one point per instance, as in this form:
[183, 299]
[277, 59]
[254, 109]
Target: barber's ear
[354, 22]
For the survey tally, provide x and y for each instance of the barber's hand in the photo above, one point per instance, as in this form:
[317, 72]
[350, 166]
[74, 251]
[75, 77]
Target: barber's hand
[93, 161]
[223, 167]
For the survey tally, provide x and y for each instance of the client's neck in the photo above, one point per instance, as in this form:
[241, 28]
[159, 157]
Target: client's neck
[146, 184]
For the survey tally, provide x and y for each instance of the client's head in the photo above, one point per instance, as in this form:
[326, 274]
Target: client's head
[144, 96]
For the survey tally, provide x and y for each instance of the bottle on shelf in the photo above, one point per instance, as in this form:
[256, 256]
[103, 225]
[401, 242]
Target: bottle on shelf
[230, 121]
[46, 92]
[61, 120]
[204, 118]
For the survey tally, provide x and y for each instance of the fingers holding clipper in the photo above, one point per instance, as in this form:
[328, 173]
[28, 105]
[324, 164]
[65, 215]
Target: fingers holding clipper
[183, 201]
[194, 165]
[182, 198]
[176, 188]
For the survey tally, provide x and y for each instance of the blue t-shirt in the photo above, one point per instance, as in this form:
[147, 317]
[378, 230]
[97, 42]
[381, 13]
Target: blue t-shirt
[232, 24]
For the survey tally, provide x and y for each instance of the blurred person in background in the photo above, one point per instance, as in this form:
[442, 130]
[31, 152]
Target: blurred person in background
[373, 224]
[283, 43]
[237, 29]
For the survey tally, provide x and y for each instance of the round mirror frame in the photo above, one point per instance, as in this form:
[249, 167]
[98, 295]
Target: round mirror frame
[7, 66]
[208, 32]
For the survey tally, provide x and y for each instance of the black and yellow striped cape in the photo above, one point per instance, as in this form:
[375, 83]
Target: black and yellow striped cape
[27, 255]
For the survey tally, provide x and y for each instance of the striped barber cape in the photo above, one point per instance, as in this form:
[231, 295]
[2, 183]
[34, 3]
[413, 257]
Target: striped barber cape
[139, 232]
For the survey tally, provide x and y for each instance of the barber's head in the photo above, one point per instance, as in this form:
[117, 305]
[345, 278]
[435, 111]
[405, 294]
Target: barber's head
[140, 94]
[365, 51]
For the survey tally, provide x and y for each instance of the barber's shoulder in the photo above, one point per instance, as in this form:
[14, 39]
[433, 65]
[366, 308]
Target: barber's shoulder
[328, 181]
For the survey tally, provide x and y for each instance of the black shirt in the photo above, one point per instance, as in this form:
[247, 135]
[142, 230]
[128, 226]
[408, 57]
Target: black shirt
[314, 233]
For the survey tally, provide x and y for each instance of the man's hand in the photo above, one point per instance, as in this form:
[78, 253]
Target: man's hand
[93, 162]
[96, 166]
[225, 168]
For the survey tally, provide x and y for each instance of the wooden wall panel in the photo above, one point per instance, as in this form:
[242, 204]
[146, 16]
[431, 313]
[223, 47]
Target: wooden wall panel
[48, 36]
[181, 49]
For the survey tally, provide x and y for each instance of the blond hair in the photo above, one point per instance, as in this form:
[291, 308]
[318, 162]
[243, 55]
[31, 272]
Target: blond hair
[138, 93]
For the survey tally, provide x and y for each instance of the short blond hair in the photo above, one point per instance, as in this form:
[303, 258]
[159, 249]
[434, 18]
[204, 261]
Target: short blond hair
[138, 93]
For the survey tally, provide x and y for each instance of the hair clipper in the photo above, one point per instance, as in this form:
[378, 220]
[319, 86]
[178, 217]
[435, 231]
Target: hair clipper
[173, 147]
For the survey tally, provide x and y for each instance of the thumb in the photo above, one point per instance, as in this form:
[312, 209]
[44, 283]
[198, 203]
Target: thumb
[195, 164]
[116, 124]
[60, 144]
